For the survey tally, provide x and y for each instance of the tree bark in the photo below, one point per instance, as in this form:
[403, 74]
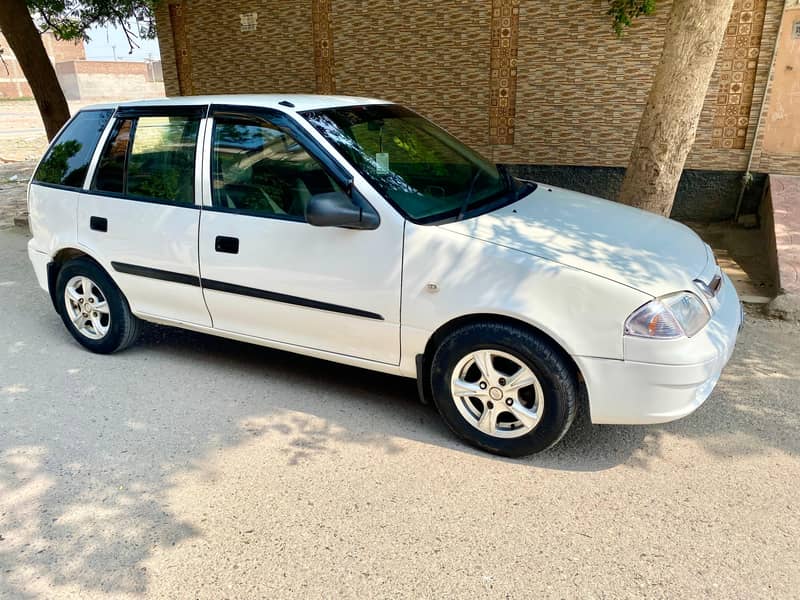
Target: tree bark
[25, 41]
[695, 31]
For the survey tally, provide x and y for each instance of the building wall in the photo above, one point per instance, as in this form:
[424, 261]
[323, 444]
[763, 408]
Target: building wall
[778, 144]
[432, 57]
[12, 81]
[98, 80]
[61, 50]
[533, 83]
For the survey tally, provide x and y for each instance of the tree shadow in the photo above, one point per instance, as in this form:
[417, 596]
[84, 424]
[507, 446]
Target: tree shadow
[90, 445]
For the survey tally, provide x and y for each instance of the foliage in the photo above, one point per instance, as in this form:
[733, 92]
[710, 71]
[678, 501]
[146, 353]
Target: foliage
[623, 12]
[71, 19]
[55, 166]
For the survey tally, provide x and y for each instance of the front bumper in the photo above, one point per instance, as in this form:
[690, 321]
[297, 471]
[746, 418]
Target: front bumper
[663, 380]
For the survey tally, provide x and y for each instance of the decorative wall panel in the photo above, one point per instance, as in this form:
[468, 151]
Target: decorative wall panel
[738, 65]
[503, 78]
[180, 44]
[323, 47]
[541, 82]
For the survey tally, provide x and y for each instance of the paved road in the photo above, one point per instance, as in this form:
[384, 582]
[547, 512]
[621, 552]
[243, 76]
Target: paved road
[195, 467]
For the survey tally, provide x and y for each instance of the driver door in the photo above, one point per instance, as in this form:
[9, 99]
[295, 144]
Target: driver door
[266, 272]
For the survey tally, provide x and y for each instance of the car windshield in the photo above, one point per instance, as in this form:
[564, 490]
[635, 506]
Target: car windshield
[426, 173]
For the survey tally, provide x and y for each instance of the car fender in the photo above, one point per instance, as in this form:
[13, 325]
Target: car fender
[447, 276]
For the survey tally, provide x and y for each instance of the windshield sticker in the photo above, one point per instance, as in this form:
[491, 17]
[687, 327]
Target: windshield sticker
[382, 162]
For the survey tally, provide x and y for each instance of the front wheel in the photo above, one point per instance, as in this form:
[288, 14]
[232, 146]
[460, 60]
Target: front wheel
[503, 389]
[93, 309]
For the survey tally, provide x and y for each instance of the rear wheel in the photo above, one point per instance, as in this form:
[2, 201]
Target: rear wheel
[93, 309]
[503, 389]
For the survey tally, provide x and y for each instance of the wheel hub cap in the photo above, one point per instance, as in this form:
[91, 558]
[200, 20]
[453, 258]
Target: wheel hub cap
[497, 393]
[87, 307]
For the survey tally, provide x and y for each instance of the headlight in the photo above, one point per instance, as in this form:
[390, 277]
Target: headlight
[669, 317]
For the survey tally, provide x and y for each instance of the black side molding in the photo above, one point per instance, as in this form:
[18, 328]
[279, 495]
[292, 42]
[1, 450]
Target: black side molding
[241, 290]
[230, 288]
[156, 274]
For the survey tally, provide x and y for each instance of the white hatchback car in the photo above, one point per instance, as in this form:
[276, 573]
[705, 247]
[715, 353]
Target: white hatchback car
[356, 231]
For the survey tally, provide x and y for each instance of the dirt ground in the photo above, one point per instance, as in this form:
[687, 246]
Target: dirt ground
[22, 135]
[190, 466]
[194, 467]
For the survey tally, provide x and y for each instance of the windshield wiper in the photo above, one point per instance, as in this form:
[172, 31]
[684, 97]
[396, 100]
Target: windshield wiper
[468, 197]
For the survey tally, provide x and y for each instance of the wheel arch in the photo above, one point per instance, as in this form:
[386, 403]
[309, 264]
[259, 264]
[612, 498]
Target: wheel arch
[424, 360]
[60, 258]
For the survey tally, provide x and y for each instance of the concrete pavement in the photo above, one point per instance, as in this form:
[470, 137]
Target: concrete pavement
[190, 466]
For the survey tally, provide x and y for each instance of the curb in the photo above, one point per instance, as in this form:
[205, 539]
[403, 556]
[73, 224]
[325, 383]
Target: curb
[21, 220]
[785, 307]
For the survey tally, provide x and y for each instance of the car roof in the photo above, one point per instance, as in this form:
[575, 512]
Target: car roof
[300, 102]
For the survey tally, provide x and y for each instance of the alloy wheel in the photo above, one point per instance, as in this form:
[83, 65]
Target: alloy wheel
[497, 393]
[87, 307]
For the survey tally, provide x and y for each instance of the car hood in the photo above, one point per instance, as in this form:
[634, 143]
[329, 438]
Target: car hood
[635, 248]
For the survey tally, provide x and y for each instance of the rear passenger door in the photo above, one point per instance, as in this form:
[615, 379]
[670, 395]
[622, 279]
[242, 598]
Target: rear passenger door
[139, 215]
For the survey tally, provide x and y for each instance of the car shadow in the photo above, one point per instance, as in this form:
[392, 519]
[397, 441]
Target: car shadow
[90, 445]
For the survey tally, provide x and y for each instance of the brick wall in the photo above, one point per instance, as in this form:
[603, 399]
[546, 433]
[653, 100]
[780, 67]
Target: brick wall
[97, 80]
[12, 81]
[540, 82]
[61, 50]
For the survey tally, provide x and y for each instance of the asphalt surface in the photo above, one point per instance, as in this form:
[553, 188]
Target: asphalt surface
[190, 466]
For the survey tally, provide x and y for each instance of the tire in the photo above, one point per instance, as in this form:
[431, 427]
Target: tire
[499, 418]
[110, 328]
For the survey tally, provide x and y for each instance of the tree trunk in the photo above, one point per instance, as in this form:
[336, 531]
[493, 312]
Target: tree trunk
[666, 133]
[19, 30]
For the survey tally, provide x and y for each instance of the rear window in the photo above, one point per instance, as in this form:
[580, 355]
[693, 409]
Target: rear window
[67, 160]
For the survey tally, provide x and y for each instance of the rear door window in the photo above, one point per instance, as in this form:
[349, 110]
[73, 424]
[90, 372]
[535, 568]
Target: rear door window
[150, 158]
[67, 160]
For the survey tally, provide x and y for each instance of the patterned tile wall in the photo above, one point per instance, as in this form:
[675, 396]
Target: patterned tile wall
[180, 42]
[579, 90]
[229, 57]
[503, 77]
[432, 56]
[738, 63]
[323, 47]
[706, 155]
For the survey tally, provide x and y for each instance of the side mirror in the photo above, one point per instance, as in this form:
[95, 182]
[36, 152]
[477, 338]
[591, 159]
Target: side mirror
[336, 209]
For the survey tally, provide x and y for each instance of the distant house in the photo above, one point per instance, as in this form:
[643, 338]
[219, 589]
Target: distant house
[83, 79]
[545, 86]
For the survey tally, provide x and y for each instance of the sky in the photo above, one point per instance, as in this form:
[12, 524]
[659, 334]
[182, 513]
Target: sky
[105, 42]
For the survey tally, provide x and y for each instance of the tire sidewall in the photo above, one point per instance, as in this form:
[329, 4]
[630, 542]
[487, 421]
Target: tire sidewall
[117, 305]
[557, 383]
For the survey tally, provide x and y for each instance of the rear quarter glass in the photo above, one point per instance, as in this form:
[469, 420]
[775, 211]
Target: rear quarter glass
[67, 159]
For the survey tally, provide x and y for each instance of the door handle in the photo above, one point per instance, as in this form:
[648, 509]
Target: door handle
[229, 245]
[98, 223]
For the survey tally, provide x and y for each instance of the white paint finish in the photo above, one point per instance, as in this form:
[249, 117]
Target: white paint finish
[571, 265]
[582, 312]
[663, 380]
[301, 102]
[636, 248]
[39, 260]
[157, 236]
[52, 217]
[352, 268]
